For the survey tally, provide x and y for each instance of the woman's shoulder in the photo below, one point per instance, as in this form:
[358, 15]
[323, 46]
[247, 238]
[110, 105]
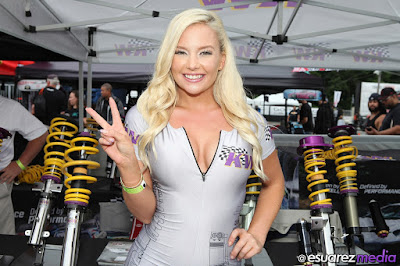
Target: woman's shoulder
[133, 113]
[135, 118]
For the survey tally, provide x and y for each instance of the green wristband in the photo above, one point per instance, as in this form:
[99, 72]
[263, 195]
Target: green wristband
[136, 189]
[20, 164]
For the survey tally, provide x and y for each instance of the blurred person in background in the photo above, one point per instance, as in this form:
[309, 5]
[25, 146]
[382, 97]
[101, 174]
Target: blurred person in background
[378, 112]
[103, 106]
[306, 118]
[391, 122]
[324, 119]
[73, 107]
[293, 115]
[55, 101]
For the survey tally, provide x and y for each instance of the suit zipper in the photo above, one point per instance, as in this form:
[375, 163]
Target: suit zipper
[194, 156]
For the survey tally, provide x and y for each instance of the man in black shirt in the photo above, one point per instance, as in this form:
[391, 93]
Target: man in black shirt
[324, 119]
[306, 118]
[55, 100]
[102, 106]
[378, 112]
[391, 123]
[293, 115]
[104, 109]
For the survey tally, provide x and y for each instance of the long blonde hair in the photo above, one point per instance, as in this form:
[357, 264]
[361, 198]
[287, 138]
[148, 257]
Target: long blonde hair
[158, 100]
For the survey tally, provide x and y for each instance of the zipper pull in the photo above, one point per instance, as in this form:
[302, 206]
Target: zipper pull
[204, 176]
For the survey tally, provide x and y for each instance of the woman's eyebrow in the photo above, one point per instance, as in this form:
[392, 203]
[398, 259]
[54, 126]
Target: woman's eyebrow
[199, 48]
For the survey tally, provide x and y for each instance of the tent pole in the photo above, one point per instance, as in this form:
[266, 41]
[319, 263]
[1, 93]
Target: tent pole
[89, 82]
[269, 28]
[286, 114]
[280, 18]
[294, 13]
[81, 95]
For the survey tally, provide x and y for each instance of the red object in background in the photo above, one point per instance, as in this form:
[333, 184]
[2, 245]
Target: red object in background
[7, 68]
[136, 227]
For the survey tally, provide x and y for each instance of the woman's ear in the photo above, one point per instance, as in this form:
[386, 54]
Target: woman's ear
[222, 62]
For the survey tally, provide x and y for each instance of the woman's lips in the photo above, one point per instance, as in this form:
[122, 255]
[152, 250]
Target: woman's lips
[193, 77]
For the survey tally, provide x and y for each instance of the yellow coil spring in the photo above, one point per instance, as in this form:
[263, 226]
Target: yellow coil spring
[80, 168]
[253, 185]
[1, 143]
[54, 159]
[347, 178]
[92, 126]
[31, 174]
[313, 161]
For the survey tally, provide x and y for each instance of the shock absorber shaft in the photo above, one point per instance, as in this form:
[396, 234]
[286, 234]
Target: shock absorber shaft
[71, 244]
[77, 195]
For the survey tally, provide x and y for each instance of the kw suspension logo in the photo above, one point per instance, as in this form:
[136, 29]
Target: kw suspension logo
[342, 258]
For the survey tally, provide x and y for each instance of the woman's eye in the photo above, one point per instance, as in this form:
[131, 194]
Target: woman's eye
[179, 52]
[206, 53]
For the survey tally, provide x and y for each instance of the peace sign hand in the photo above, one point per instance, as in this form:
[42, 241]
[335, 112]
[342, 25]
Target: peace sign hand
[114, 139]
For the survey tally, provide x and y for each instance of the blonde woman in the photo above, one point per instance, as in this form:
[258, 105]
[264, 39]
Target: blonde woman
[195, 144]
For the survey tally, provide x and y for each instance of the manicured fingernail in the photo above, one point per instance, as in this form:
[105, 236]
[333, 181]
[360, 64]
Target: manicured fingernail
[232, 257]
[103, 131]
[112, 140]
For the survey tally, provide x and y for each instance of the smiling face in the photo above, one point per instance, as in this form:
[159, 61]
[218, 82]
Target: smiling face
[197, 60]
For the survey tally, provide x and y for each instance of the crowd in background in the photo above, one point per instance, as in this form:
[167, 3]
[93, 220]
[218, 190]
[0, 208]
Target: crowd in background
[384, 117]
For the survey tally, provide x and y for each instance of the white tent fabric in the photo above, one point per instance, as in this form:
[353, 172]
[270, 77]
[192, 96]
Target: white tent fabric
[357, 34]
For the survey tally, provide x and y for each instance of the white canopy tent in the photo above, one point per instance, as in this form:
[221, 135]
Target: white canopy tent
[357, 34]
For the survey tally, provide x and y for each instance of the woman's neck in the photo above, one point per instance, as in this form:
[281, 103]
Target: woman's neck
[201, 102]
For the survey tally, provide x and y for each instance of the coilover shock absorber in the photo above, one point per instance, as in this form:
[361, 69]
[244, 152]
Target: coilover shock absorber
[252, 192]
[344, 155]
[92, 126]
[31, 174]
[313, 149]
[249, 205]
[61, 132]
[77, 195]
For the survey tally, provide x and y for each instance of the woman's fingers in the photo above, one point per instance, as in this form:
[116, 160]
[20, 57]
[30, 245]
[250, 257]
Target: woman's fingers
[100, 120]
[119, 135]
[115, 113]
[106, 142]
[233, 236]
[246, 247]
[251, 253]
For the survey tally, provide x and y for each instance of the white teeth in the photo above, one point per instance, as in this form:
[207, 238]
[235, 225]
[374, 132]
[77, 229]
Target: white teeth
[194, 76]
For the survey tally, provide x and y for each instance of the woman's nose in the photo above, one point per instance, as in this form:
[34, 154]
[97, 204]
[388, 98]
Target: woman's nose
[193, 62]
